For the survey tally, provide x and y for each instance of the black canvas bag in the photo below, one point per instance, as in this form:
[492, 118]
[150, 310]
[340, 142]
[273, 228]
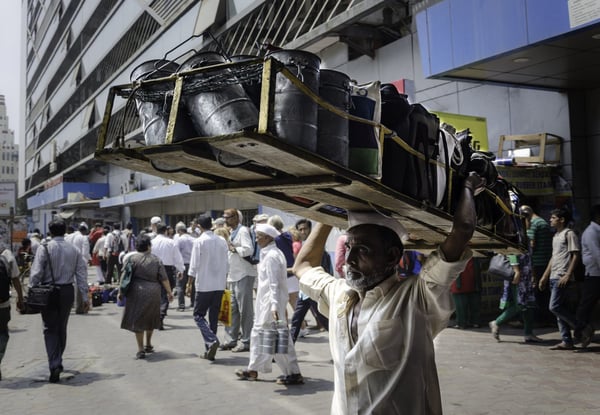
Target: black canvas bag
[41, 296]
[421, 176]
[395, 112]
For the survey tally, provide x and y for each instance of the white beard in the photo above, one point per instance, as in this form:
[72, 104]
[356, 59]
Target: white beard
[361, 282]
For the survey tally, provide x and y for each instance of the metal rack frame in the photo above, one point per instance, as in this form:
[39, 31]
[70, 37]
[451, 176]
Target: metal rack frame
[278, 174]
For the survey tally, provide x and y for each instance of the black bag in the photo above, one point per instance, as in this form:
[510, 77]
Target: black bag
[395, 111]
[40, 296]
[126, 277]
[253, 258]
[96, 299]
[459, 164]
[500, 268]
[421, 175]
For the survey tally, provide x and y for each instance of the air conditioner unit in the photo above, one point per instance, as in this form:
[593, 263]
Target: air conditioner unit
[53, 167]
[128, 187]
[53, 151]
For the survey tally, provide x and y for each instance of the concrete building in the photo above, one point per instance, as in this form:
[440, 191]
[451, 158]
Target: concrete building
[9, 162]
[75, 51]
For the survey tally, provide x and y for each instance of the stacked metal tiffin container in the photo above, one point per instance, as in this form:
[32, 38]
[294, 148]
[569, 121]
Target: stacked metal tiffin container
[296, 118]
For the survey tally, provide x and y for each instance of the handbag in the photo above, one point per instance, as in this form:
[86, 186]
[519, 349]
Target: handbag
[225, 309]
[126, 277]
[39, 296]
[500, 268]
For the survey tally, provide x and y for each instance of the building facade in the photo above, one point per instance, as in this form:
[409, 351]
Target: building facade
[76, 50]
[9, 162]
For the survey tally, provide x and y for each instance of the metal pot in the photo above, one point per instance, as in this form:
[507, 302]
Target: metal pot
[332, 140]
[294, 113]
[223, 111]
[154, 113]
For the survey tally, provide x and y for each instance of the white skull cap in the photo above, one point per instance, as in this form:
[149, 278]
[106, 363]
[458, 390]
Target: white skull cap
[377, 218]
[155, 220]
[267, 230]
[262, 217]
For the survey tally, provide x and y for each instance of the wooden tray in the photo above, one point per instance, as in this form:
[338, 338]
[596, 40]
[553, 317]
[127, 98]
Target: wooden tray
[292, 179]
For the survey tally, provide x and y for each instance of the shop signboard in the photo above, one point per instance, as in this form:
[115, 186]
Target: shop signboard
[7, 198]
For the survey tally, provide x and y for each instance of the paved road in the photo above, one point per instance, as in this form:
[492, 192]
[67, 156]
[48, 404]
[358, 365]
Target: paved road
[477, 374]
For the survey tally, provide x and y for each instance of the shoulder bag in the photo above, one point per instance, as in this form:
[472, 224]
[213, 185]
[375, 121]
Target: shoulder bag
[500, 268]
[38, 297]
[126, 277]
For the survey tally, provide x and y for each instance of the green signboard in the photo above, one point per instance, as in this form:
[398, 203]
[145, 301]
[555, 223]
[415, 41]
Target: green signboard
[477, 126]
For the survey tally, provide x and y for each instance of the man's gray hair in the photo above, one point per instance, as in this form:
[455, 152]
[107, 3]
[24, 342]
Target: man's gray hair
[276, 222]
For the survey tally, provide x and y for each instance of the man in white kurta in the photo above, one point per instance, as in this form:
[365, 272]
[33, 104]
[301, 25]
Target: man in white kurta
[271, 300]
[381, 326]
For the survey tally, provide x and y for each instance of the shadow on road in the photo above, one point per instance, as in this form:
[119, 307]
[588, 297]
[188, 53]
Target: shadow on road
[311, 386]
[67, 378]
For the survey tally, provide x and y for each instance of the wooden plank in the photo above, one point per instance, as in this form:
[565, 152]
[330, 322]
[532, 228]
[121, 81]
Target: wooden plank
[271, 151]
[195, 158]
[429, 242]
[286, 184]
[280, 201]
[295, 180]
[132, 159]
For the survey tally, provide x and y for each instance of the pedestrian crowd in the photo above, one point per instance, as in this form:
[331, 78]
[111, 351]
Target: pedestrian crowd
[382, 314]
[556, 283]
[194, 263]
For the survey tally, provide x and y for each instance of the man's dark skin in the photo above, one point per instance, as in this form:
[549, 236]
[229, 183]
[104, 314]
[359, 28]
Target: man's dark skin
[371, 258]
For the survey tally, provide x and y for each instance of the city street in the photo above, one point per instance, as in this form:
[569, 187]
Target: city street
[477, 374]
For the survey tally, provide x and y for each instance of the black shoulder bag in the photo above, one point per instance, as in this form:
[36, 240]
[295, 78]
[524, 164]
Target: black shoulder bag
[38, 297]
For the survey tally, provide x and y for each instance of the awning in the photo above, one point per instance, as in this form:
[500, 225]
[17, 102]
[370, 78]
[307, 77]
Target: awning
[67, 214]
[56, 194]
[158, 193]
[541, 43]
[81, 204]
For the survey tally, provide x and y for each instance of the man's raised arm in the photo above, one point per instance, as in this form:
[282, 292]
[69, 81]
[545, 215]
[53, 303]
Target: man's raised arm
[465, 220]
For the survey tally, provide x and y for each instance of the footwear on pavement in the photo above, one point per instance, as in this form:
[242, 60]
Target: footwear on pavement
[494, 329]
[246, 374]
[212, 351]
[563, 346]
[241, 348]
[228, 346]
[295, 379]
[586, 335]
[533, 339]
[54, 375]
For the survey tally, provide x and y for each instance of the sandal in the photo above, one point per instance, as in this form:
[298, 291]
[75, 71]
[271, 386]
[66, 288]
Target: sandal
[140, 355]
[295, 379]
[149, 349]
[246, 374]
